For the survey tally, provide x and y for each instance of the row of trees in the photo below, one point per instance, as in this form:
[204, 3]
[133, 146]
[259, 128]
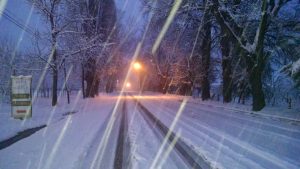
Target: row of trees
[80, 40]
[79, 46]
[243, 44]
[248, 48]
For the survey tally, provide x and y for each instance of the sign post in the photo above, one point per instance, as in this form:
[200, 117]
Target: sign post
[21, 98]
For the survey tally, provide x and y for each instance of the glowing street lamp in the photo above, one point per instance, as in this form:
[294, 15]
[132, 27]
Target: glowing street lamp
[128, 85]
[137, 66]
[140, 71]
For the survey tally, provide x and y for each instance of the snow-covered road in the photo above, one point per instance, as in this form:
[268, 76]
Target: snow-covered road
[232, 140]
[116, 132]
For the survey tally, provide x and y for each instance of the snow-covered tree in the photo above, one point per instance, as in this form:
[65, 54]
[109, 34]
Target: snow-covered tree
[252, 47]
[51, 10]
[293, 70]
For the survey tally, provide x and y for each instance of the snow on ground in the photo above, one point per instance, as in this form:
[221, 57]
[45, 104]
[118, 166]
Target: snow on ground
[275, 112]
[100, 153]
[146, 144]
[42, 112]
[62, 144]
[229, 139]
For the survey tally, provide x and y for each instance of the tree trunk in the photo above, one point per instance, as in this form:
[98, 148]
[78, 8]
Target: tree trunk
[68, 96]
[90, 76]
[66, 86]
[205, 95]
[259, 63]
[163, 85]
[54, 58]
[54, 87]
[256, 62]
[82, 81]
[92, 85]
[226, 67]
[258, 97]
[109, 85]
[54, 77]
[89, 88]
[205, 52]
[242, 97]
[96, 87]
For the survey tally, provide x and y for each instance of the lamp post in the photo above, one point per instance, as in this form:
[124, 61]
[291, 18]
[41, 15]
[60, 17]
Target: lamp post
[138, 67]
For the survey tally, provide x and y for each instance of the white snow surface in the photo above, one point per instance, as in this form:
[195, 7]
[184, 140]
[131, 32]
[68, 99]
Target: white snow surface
[233, 138]
[145, 144]
[228, 136]
[43, 113]
[63, 143]
[296, 67]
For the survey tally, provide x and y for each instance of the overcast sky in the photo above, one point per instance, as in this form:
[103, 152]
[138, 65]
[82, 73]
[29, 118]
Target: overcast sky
[20, 10]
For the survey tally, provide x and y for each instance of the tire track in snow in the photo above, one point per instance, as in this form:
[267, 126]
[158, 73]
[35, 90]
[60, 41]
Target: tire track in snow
[253, 131]
[251, 119]
[252, 114]
[122, 154]
[265, 159]
[193, 159]
[146, 142]
[92, 154]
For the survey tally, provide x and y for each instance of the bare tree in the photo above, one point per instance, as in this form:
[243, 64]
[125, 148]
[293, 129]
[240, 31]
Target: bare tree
[253, 49]
[51, 10]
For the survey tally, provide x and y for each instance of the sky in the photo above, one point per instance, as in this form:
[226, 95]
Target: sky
[21, 11]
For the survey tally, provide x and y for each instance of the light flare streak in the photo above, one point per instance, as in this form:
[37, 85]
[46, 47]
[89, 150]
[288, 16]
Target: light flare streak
[174, 122]
[220, 147]
[198, 32]
[41, 79]
[2, 6]
[103, 144]
[168, 151]
[22, 35]
[61, 136]
[28, 164]
[59, 97]
[133, 146]
[42, 156]
[167, 24]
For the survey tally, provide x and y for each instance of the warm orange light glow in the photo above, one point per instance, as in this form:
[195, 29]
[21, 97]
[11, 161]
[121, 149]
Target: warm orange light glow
[128, 85]
[137, 66]
[148, 97]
